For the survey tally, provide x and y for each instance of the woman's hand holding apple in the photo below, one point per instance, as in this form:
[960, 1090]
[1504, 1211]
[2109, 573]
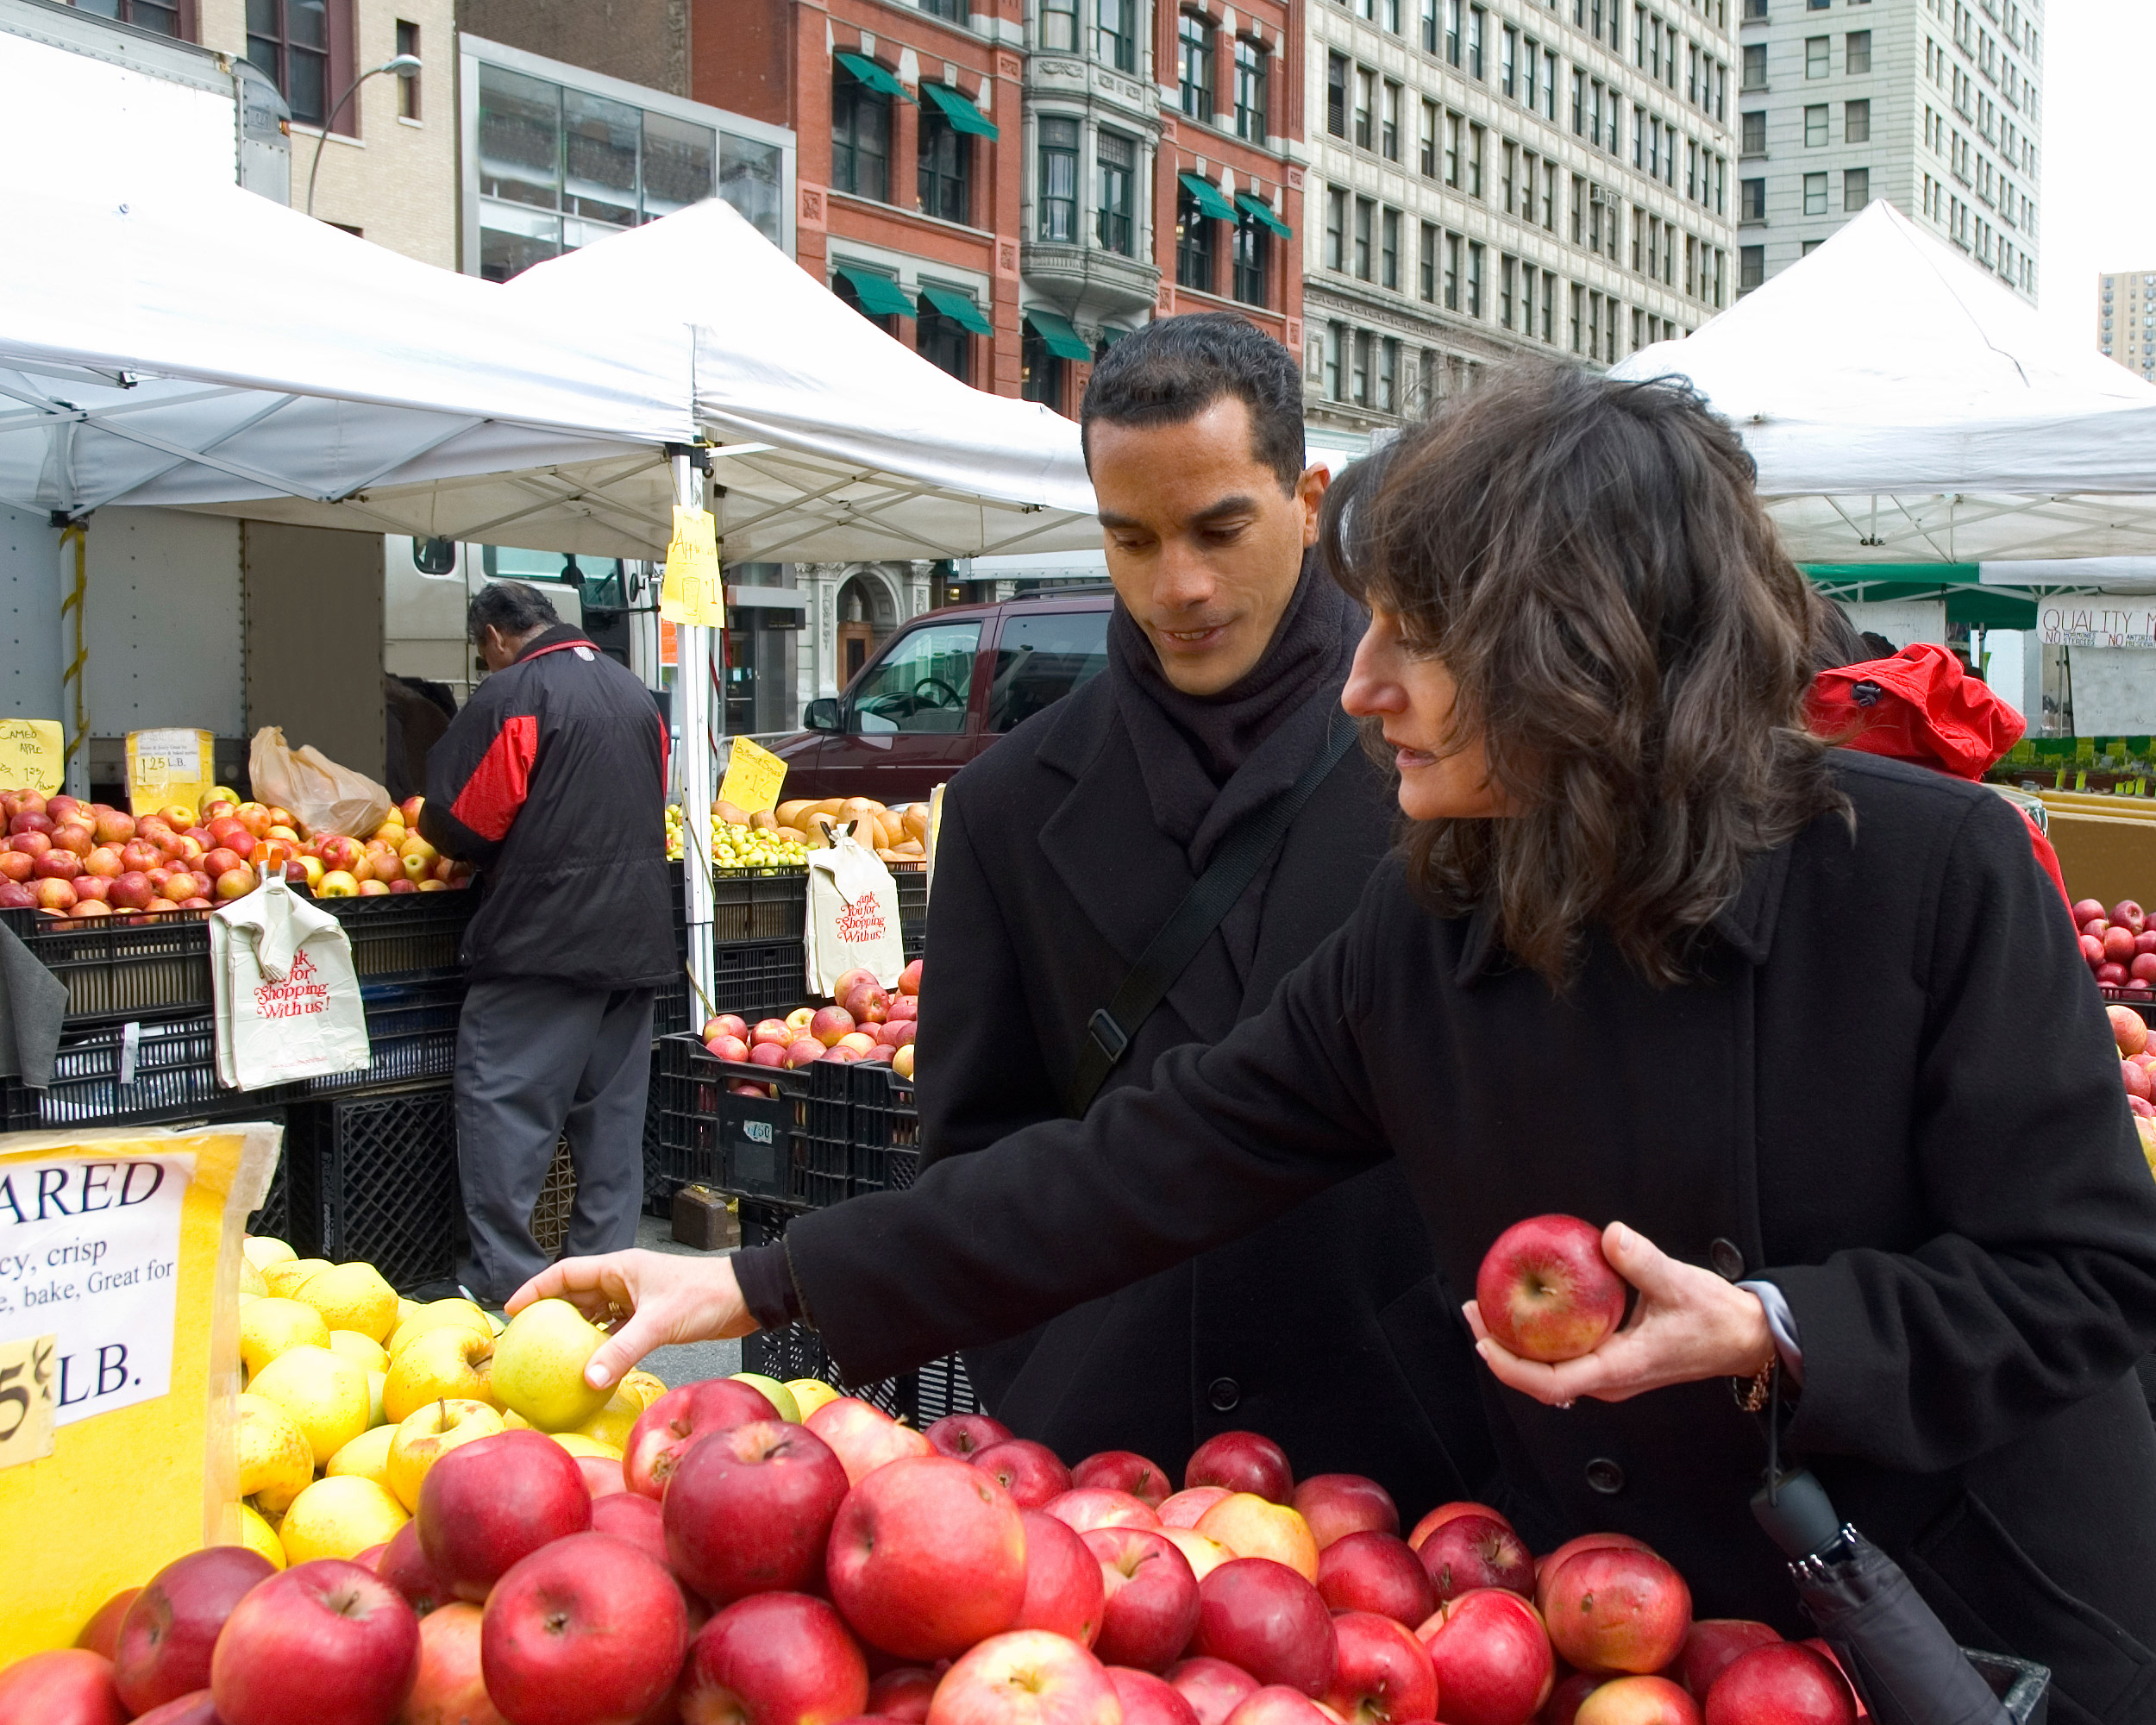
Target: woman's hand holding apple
[651, 1300]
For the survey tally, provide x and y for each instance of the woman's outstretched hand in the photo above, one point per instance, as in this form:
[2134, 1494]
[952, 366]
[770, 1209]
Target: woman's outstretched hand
[651, 1299]
[1688, 1324]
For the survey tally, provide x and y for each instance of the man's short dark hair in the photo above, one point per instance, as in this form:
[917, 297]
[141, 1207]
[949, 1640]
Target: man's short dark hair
[511, 606]
[1171, 370]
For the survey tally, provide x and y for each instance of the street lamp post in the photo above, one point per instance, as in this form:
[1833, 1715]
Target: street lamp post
[403, 65]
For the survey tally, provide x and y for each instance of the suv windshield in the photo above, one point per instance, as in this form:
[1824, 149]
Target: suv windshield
[922, 684]
[1041, 657]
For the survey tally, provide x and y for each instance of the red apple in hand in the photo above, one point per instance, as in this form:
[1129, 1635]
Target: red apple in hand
[778, 1658]
[1243, 1461]
[1123, 1470]
[67, 1686]
[1493, 1660]
[326, 1642]
[586, 1628]
[1338, 1504]
[965, 1435]
[451, 1688]
[1384, 1676]
[1638, 1701]
[927, 1557]
[1783, 1684]
[1263, 1616]
[664, 1431]
[1065, 1586]
[750, 1508]
[1476, 1551]
[1149, 1700]
[163, 1651]
[1032, 1473]
[1615, 1609]
[1027, 1678]
[1712, 1644]
[1375, 1571]
[1544, 1290]
[1152, 1598]
[487, 1505]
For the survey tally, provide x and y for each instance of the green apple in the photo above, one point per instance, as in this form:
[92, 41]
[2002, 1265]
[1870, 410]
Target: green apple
[774, 1392]
[538, 1369]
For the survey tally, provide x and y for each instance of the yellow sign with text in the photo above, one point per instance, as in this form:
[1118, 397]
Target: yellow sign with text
[169, 767]
[33, 756]
[26, 1398]
[691, 593]
[753, 775]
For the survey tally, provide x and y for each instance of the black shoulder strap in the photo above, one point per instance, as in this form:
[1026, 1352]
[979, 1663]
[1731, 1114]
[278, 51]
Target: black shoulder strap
[1234, 866]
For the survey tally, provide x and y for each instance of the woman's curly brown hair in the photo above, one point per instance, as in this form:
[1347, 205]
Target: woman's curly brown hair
[1590, 561]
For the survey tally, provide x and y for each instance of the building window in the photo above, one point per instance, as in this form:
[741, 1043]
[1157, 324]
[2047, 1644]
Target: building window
[953, 11]
[1365, 213]
[1117, 160]
[1193, 244]
[1453, 31]
[1755, 73]
[1336, 83]
[1388, 123]
[945, 168]
[1474, 278]
[1427, 261]
[1857, 55]
[1429, 140]
[1752, 201]
[1815, 194]
[1359, 368]
[1508, 61]
[1115, 35]
[1365, 98]
[1059, 26]
[944, 342]
[1856, 188]
[160, 17]
[1752, 267]
[1041, 374]
[1855, 123]
[1389, 375]
[1816, 125]
[1818, 56]
[1389, 250]
[1335, 339]
[1452, 124]
[304, 47]
[1253, 256]
[1475, 136]
[860, 137]
[1476, 19]
[1451, 271]
[1059, 180]
[1508, 282]
[408, 88]
[1194, 67]
[1251, 80]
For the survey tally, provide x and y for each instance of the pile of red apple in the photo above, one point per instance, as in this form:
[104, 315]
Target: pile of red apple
[734, 1567]
[2119, 945]
[865, 1024]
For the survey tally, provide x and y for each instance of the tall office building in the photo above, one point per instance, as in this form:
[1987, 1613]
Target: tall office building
[2126, 327]
[1490, 177]
[1932, 104]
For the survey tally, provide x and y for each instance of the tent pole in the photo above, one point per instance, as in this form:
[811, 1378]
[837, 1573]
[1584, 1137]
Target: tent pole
[74, 656]
[692, 699]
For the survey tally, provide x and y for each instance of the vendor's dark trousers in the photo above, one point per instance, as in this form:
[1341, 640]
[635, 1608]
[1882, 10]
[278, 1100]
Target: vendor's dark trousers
[534, 1058]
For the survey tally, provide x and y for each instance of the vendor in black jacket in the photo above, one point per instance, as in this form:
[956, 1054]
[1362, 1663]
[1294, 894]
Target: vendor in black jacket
[1067, 847]
[1776, 1015]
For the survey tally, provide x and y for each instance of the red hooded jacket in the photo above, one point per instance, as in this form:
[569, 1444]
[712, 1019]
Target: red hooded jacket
[1920, 706]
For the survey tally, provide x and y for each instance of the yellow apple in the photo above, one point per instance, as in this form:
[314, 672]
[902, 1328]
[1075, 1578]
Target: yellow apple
[450, 1362]
[539, 1363]
[263, 1250]
[257, 1535]
[269, 1326]
[407, 1310]
[324, 1393]
[362, 1350]
[367, 1457]
[276, 1461]
[1204, 1555]
[418, 1443]
[578, 1445]
[285, 1277]
[613, 1424]
[799, 1017]
[377, 1382]
[353, 1296]
[775, 1393]
[252, 1287]
[315, 871]
[338, 883]
[433, 1316]
[340, 1517]
[646, 1388]
[1251, 1527]
[809, 1393]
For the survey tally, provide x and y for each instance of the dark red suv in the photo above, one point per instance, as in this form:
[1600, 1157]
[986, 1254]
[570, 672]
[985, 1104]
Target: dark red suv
[942, 689]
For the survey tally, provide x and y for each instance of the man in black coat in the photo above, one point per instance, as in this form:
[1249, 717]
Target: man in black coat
[552, 780]
[1065, 848]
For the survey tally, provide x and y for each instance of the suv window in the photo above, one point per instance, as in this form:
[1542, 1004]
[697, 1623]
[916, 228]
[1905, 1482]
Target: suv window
[1040, 658]
[922, 684]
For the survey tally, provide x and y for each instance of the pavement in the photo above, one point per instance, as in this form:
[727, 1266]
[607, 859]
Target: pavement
[687, 1364]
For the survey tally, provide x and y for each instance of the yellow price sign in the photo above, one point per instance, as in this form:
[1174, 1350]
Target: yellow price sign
[690, 592]
[33, 756]
[753, 775]
[27, 1372]
[2085, 750]
[169, 767]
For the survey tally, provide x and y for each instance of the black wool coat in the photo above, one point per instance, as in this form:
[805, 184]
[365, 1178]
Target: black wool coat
[1329, 1329]
[1893, 1094]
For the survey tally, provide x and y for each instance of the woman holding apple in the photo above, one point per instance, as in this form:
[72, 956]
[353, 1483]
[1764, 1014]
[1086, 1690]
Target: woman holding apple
[1801, 1027]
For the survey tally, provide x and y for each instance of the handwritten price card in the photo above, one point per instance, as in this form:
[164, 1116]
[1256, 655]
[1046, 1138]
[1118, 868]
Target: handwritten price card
[33, 756]
[27, 1398]
[690, 593]
[753, 775]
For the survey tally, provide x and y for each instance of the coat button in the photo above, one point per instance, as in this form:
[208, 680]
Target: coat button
[1224, 1393]
[1604, 1476]
[1728, 1261]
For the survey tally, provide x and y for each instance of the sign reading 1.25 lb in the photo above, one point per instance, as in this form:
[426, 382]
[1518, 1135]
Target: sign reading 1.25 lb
[88, 1255]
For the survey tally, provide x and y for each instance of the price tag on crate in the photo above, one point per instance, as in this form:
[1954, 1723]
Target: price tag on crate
[169, 767]
[2086, 751]
[33, 756]
[27, 1403]
[690, 593]
[753, 775]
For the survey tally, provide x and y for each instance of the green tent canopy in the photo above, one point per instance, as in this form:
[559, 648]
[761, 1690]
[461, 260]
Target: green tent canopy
[877, 78]
[1967, 600]
[959, 111]
[880, 296]
[956, 306]
[1208, 197]
[1054, 329]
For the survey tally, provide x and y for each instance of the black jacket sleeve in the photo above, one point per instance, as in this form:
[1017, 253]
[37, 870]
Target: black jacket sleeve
[2035, 1289]
[479, 762]
[1224, 1139]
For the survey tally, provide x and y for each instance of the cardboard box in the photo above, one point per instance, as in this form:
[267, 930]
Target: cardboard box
[2105, 856]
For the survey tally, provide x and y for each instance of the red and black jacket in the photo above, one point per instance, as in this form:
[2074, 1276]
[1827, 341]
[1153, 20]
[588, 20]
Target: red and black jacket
[552, 780]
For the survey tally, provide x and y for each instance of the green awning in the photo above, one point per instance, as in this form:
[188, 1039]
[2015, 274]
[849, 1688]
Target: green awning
[1054, 329]
[957, 307]
[1989, 608]
[877, 78]
[1967, 600]
[880, 296]
[960, 111]
[1210, 201]
[1251, 205]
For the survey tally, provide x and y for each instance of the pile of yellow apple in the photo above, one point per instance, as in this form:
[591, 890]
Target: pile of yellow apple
[738, 841]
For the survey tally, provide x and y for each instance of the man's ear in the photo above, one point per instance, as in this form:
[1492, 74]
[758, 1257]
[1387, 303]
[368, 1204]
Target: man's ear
[1310, 493]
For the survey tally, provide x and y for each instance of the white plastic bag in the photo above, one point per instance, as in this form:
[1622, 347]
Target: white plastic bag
[286, 997]
[327, 797]
[853, 915]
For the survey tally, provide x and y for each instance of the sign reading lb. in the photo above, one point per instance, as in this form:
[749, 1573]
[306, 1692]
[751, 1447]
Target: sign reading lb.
[90, 1257]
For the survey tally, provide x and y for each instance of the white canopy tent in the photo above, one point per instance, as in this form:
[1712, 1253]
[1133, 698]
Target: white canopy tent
[1905, 407]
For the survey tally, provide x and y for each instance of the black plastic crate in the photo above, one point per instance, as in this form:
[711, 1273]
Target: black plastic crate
[116, 971]
[762, 981]
[169, 1071]
[744, 1146]
[411, 1034]
[405, 937]
[912, 936]
[747, 904]
[912, 881]
[670, 1009]
[374, 1177]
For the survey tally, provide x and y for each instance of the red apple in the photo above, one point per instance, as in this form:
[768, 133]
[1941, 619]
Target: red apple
[451, 1688]
[805, 1051]
[829, 1024]
[29, 821]
[1213, 1688]
[725, 1047]
[1032, 1473]
[1277, 1704]
[1544, 1290]
[1338, 1504]
[101, 1634]
[131, 891]
[602, 1476]
[865, 1438]
[1783, 1684]
[16, 865]
[140, 856]
[2143, 967]
[1065, 1586]
[404, 1565]
[103, 861]
[927, 1557]
[906, 1007]
[163, 1651]
[2091, 948]
[1123, 1470]
[1375, 1571]
[904, 1694]
[2129, 915]
[2086, 909]
[635, 1520]
[2145, 942]
[867, 1004]
[2118, 942]
[91, 889]
[199, 1707]
[910, 978]
[726, 1024]
[56, 895]
[1611, 1609]
[112, 827]
[778, 1658]
[1263, 1616]
[75, 836]
[1097, 1506]
[1152, 1598]
[1384, 1675]
[1476, 1551]
[750, 1508]
[67, 1686]
[965, 1435]
[1242, 1461]
[1638, 1701]
[326, 1642]
[585, 1630]
[56, 865]
[1027, 1678]
[767, 1053]
[1564, 1705]
[1492, 1658]
[850, 979]
[14, 896]
[235, 883]
[1149, 1700]
[1187, 1508]
[2113, 975]
[486, 1506]
[664, 1431]
[1712, 1644]
[31, 844]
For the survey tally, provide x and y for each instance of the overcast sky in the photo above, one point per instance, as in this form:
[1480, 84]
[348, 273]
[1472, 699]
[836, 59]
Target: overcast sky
[2099, 202]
